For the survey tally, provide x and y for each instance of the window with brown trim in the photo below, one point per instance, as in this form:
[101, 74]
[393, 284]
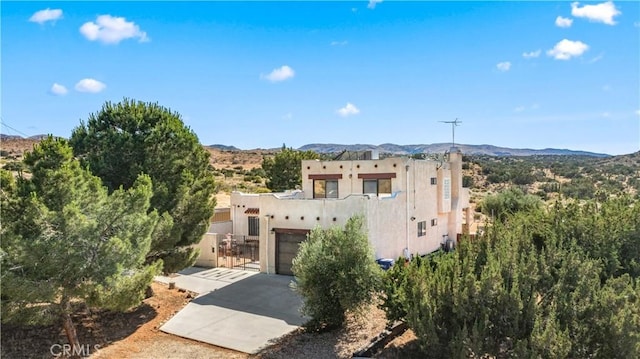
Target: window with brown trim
[376, 186]
[325, 188]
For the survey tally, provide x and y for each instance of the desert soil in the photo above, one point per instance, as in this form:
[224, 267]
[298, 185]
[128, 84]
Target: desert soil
[136, 334]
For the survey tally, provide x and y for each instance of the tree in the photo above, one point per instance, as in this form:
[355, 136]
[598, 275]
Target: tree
[129, 138]
[284, 170]
[508, 202]
[66, 240]
[540, 284]
[336, 273]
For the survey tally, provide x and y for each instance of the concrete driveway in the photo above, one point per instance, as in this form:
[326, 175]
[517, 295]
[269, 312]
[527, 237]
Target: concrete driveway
[239, 310]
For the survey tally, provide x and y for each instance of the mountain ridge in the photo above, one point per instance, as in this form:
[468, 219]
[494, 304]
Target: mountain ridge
[483, 149]
[395, 149]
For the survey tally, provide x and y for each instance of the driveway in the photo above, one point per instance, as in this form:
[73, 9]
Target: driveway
[239, 310]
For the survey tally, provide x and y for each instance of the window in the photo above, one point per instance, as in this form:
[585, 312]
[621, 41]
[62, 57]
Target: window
[447, 188]
[254, 226]
[434, 180]
[323, 188]
[434, 222]
[376, 186]
[422, 228]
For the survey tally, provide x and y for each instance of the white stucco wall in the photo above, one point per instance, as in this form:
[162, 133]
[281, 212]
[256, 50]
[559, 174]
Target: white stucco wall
[240, 202]
[392, 221]
[301, 214]
[350, 183]
[207, 258]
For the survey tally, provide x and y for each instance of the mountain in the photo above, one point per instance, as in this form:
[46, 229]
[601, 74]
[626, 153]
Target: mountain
[442, 147]
[391, 148]
[224, 147]
[4, 137]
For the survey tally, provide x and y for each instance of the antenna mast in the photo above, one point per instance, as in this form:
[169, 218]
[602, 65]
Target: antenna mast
[453, 123]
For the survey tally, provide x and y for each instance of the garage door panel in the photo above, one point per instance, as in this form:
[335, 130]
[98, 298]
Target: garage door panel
[286, 250]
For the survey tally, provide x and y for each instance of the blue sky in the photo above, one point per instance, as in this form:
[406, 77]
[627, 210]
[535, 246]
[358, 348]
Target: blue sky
[260, 74]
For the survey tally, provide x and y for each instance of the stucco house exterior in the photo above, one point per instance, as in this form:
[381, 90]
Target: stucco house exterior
[410, 206]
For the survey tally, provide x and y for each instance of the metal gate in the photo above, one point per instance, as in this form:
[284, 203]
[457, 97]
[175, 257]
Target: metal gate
[238, 251]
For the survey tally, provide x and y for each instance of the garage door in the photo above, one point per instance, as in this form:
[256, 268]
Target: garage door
[287, 244]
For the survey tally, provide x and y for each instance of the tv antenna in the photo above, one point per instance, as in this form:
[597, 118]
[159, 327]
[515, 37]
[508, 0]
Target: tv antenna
[453, 123]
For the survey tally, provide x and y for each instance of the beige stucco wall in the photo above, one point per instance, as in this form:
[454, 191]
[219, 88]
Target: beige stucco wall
[207, 258]
[240, 202]
[350, 183]
[392, 221]
[301, 214]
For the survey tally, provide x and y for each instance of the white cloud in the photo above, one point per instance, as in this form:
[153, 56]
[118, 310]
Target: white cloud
[348, 110]
[45, 15]
[339, 43]
[636, 24]
[597, 13]
[111, 30]
[638, 112]
[563, 22]
[532, 54]
[504, 66]
[279, 74]
[566, 49]
[372, 4]
[58, 90]
[597, 58]
[90, 85]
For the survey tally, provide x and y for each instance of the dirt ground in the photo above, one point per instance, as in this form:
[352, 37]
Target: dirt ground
[103, 334]
[135, 334]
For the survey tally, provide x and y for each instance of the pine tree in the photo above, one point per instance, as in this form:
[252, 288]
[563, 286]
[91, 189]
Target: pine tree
[66, 240]
[130, 138]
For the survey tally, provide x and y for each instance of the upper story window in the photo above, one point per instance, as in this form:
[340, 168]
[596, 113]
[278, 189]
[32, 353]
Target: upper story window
[447, 188]
[377, 186]
[434, 180]
[324, 188]
[376, 183]
[325, 185]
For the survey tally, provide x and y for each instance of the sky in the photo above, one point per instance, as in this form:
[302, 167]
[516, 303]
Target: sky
[262, 74]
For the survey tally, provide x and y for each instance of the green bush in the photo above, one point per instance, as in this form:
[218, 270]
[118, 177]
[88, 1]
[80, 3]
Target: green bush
[467, 181]
[540, 285]
[335, 273]
[508, 202]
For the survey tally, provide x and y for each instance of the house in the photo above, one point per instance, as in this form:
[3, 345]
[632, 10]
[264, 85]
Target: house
[410, 206]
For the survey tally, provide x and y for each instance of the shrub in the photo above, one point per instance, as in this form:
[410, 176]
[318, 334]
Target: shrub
[335, 273]
[541, 285]
[467, 181]
[508, 202]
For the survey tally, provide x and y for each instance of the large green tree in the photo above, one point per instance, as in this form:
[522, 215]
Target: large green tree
[284, 170]
[66, 240]
[546, 284]
[126, 139]
[336, 273]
